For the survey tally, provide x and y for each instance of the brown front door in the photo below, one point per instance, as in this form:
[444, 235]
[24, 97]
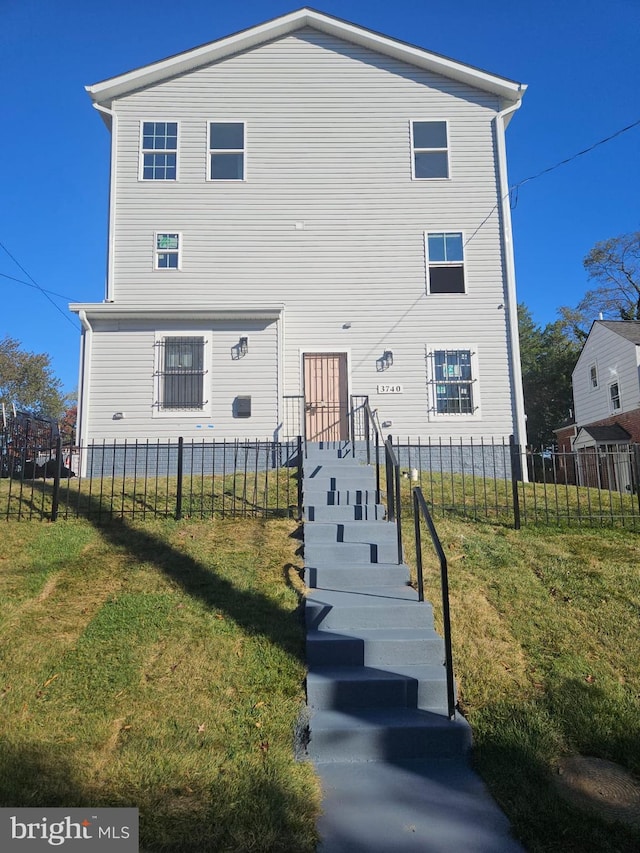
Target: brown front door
[326, 401]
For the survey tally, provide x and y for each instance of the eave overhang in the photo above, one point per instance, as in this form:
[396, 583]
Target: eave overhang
[106, 91]
[111, 311]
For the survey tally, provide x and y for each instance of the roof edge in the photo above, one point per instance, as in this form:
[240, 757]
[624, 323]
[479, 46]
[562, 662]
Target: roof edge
[106, 91]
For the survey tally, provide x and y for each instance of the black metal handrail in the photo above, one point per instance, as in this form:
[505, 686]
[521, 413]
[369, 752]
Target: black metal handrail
[420, 509]
[394, 506]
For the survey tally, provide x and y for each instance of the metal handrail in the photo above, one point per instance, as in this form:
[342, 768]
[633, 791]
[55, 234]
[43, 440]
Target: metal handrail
[370, 418]
[394, 507]
[420, 508]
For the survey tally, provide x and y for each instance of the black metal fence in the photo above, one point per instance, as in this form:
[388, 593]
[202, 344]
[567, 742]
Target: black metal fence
[179, 479]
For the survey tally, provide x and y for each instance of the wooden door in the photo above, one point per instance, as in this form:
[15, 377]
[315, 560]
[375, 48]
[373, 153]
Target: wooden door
[326, 399]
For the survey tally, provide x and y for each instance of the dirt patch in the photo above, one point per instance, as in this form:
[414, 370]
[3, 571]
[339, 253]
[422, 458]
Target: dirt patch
[600, 786]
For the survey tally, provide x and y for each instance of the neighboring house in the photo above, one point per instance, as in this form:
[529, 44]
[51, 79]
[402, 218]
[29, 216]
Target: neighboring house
[606, 396]
[302, 214]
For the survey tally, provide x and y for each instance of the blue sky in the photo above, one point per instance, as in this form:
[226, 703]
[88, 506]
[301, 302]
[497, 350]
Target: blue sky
[579, 58]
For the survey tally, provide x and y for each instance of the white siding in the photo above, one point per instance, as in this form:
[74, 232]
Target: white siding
[616, 359]
[328, 145]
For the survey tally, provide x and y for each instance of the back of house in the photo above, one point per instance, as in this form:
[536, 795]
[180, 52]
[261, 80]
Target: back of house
[304, 216]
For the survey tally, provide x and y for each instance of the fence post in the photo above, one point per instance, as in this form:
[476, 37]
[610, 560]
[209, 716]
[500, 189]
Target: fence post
[636, 483]
[299, 478]
[179, 482]
[515, 472]
[56, 480]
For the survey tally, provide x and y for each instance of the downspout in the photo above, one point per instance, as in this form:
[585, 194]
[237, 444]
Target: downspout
[112, 197]
[520, 427]
[84, 383]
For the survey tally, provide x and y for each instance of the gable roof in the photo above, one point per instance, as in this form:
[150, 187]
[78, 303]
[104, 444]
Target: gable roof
[104, 92]
[613, 433]
[629, 329]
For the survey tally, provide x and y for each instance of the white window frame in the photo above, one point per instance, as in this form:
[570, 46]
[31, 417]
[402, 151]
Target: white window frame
[433, 414]
[593, 374]
[157, 252]
[429, 264]
[415, 150]
[213, 151]
[143, 151]
[159, 370]
[612, 406]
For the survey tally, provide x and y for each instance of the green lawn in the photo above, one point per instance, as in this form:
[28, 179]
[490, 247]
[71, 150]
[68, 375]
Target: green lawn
[158, 666]
[546, 640]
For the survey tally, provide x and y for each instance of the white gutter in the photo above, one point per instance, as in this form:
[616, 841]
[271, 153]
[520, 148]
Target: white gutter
[84, 379]
[511, 307]
[113, 126]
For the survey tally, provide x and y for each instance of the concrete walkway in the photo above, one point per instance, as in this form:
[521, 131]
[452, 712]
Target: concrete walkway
[394, 768]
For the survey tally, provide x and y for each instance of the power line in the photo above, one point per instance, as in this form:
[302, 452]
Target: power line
[35, 283]
[28, 283]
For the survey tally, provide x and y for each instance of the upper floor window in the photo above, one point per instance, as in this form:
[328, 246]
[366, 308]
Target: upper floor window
[593, 376]
[167, 251]
[226, 151]
[445, 262]
[181, 373]
[429, 149]
[159, 150]
[614, 396]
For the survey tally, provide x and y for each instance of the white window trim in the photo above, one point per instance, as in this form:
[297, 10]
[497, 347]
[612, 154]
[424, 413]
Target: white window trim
[611, 406]
[211, 151]
[432, 408]
[142, 151]
[462, 263]
[414, 149]
[205, 411]
[157, 251]
[593, 366]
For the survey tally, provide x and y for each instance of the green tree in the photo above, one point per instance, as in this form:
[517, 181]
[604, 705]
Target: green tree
[548, 357]
[614, 266]
[27, 381]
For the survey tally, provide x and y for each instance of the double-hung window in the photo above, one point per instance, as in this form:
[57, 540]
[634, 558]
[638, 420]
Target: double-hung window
[226, 150]
[614, 397]
[429, 149]
[167, 251]
[159, 151]
[452, 382]
[181, 373]
[445, 262]
[593, 376]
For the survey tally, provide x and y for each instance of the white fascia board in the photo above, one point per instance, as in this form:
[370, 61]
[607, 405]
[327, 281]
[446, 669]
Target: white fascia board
[106, 91]
[109, 311]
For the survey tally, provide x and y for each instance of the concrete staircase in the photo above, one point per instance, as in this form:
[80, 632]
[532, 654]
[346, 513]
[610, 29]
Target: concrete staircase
[376, 684]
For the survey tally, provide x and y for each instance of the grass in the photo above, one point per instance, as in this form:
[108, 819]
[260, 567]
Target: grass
[158, 666]
[547, 658]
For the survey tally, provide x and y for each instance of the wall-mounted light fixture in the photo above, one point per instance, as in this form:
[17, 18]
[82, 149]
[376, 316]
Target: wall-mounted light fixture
[385, 361]
[243, 346]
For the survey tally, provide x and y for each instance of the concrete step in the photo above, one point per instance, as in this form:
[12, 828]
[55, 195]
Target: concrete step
[350, 531]
[360, 553]
[372, 608]
[386, 735]
[355, 577]
[341, 497]
[374, 647]
[342, 688]
[428, 806]
[342, 513]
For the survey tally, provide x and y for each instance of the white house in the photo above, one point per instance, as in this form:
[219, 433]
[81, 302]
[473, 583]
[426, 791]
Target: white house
[606, 398]
[303, 214]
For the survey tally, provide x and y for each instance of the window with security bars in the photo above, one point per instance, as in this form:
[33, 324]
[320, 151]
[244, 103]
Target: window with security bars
[453, 382]
[181, 373]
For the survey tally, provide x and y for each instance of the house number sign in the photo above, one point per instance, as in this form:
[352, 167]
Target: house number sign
[390, 389]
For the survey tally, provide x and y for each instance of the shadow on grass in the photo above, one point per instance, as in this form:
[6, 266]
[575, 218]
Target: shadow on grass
[517, 747]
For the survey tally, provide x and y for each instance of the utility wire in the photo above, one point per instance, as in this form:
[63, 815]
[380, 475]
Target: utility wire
[513, 190]
[28, 283]
[35, 284]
